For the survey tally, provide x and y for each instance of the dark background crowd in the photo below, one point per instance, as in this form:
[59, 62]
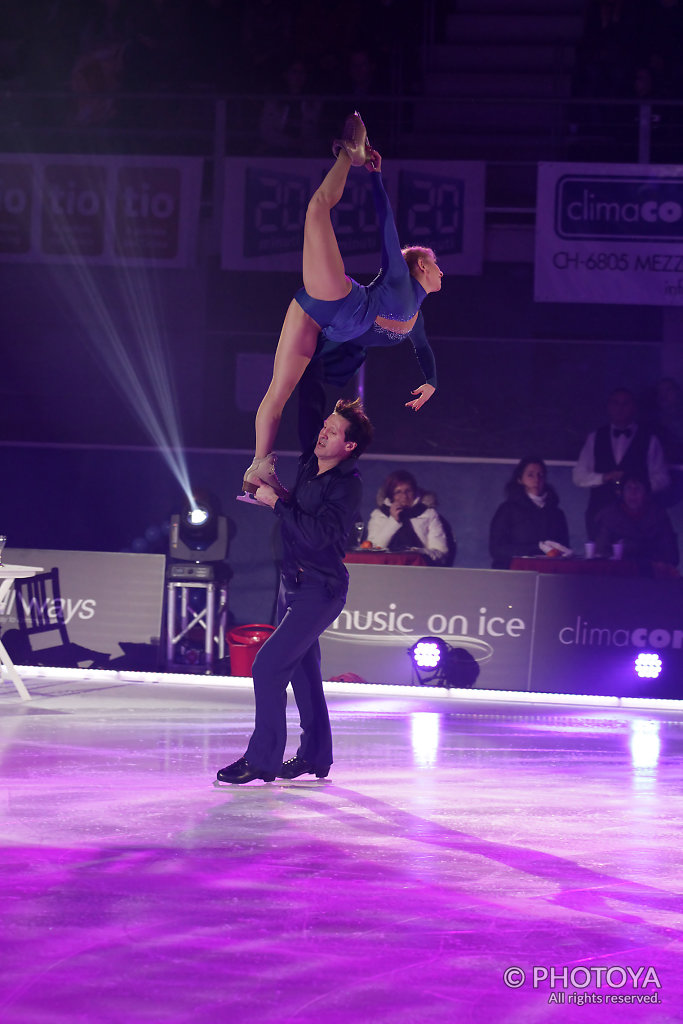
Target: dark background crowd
[627, 47]
[206, 44]
[297, 66]
[631, 48]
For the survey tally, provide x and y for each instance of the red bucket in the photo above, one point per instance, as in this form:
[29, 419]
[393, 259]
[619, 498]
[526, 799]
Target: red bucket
[244, 643]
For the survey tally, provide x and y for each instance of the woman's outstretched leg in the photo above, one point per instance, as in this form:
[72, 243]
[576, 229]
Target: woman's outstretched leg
[323, 266]
[324, 278]
[295, 348]
[298, 339]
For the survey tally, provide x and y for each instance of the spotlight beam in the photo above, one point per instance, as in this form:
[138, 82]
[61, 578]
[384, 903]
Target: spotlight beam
[152, 399]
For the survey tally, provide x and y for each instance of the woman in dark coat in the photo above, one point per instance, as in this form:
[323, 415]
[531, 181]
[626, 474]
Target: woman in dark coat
[530, 514]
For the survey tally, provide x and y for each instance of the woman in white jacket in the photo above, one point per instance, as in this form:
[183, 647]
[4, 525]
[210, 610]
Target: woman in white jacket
[404, 521]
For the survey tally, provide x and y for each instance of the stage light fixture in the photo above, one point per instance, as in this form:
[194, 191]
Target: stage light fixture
[648, 666]
[436, 663]
[197, 516]
[428, 652]
[199, 534]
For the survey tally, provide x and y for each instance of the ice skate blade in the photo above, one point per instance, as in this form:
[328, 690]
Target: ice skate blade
[249, 499]
[217, 784]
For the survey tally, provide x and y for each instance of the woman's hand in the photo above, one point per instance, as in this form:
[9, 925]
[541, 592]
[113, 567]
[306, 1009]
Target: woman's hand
[425, 392]
[374, 161]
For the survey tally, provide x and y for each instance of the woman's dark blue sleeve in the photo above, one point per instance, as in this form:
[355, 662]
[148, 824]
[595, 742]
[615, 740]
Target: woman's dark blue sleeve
[423, 350]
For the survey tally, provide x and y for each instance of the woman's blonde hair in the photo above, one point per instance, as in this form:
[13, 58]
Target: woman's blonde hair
[413, 253]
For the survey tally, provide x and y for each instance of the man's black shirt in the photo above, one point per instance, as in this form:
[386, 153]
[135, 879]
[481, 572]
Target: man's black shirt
[316, 521]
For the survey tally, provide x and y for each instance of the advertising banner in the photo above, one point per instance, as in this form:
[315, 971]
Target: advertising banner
[609, 233]
[439, 204]
[107, 598]
[487, 613]
[590, 630]
[99, 209]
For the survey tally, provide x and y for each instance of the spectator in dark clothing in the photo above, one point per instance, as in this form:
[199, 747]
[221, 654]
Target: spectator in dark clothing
[642, 526]
[529, 517]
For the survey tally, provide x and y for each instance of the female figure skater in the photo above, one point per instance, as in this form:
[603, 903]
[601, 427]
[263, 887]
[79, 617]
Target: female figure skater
[332, 309]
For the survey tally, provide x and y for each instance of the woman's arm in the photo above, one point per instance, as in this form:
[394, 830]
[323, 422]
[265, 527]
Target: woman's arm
[425, 358]
[423, 350]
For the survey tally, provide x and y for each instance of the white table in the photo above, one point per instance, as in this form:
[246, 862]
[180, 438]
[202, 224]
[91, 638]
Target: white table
[8, 574]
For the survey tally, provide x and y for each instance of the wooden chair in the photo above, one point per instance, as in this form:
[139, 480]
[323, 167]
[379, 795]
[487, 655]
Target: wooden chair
[40, 612]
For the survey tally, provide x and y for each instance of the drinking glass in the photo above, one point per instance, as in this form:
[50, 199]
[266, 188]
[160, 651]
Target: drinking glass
[3, 541]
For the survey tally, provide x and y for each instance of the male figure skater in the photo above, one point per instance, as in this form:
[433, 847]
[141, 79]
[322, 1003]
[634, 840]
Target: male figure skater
[316, 519]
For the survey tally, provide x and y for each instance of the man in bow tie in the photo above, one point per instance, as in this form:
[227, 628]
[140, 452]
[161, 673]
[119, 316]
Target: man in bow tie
[619, 447]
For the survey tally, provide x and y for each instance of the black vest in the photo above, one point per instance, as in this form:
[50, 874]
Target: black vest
[634, 460]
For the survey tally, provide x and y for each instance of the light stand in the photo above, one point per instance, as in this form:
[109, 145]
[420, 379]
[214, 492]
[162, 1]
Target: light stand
[198, 543]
